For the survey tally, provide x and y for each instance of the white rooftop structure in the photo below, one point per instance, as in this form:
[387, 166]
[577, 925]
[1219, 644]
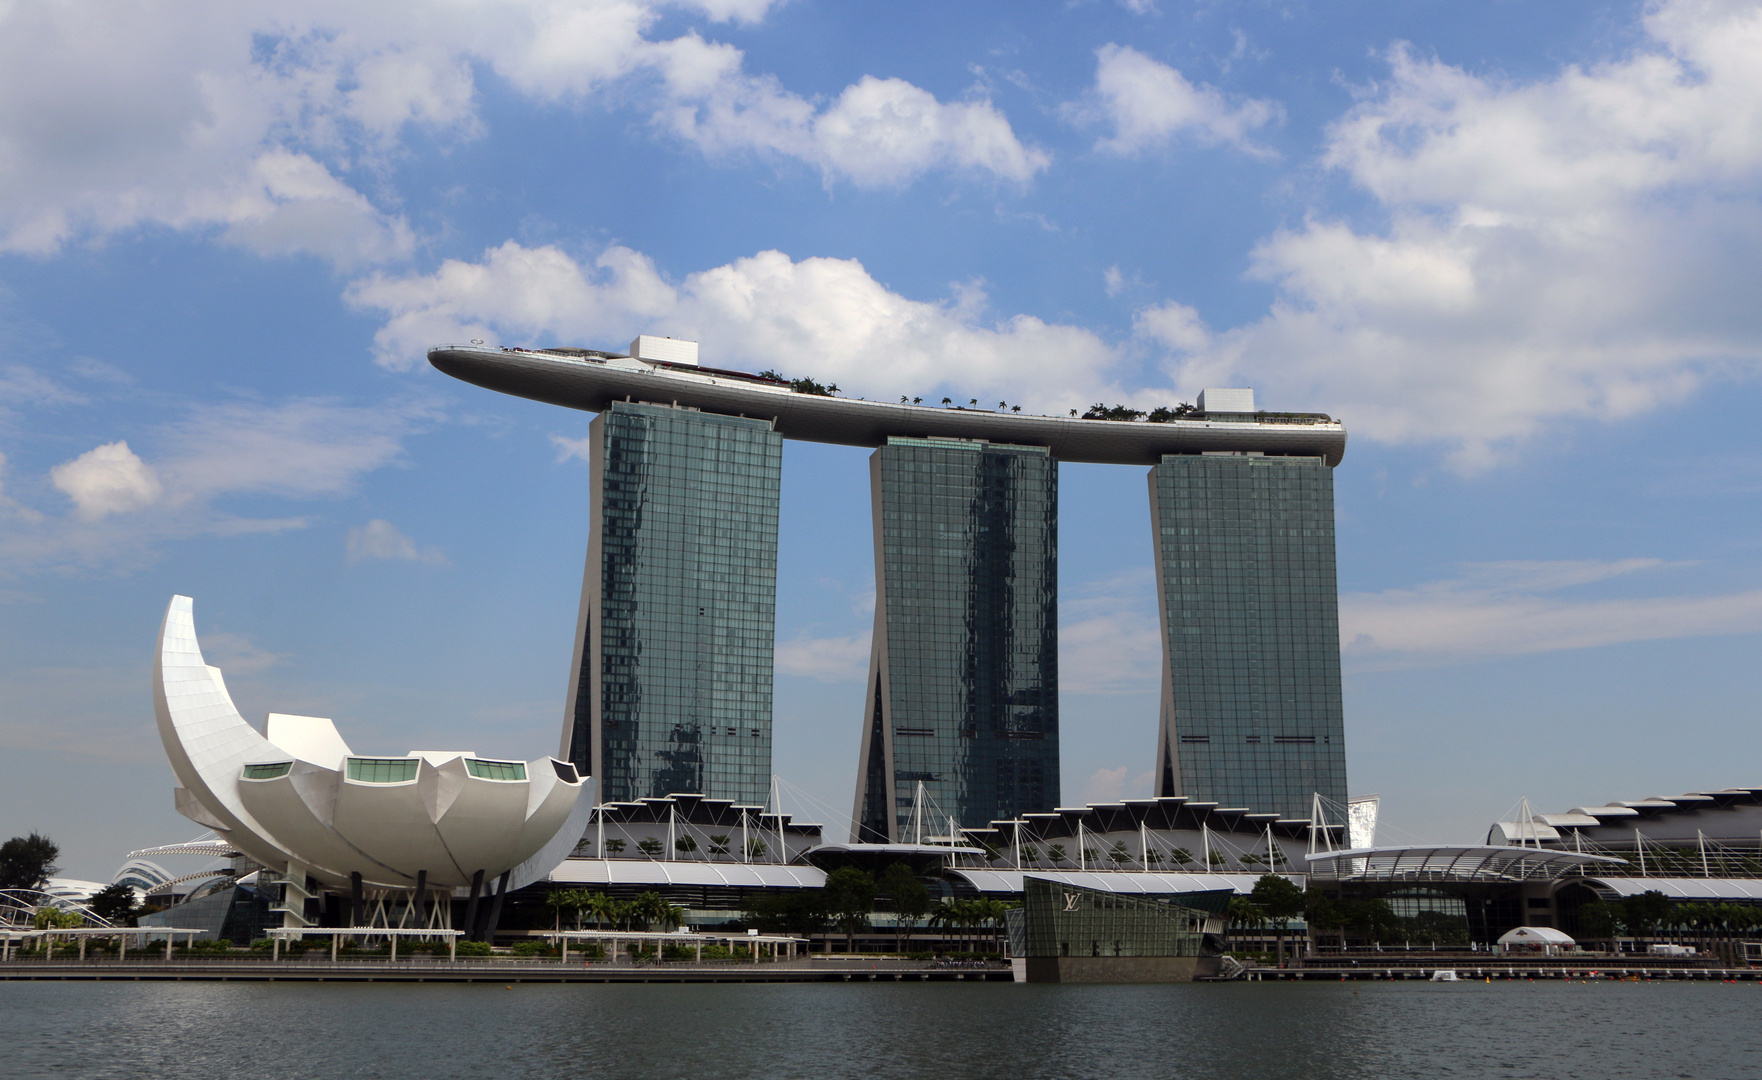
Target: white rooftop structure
[664, 349]
[590, 379]
[1217, 400]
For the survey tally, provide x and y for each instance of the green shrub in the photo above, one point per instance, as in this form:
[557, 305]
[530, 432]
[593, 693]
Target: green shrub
[475, 948]
[528, 949]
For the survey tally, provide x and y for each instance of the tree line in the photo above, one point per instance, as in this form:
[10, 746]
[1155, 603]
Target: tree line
[26, 865]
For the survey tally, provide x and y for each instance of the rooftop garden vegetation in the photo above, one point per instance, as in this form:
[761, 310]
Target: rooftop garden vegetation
[803, 385]
[1159, 415]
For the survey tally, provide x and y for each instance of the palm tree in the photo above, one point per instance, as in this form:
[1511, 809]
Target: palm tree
[947, 914]
[992, 913]
[602, 907]
[1245, 913]
[556, 902]
[647, 908]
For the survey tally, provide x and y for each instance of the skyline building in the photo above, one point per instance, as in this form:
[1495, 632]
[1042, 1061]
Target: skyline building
[962, 691]
[671, 684]
[961, 695]
[1251, 712]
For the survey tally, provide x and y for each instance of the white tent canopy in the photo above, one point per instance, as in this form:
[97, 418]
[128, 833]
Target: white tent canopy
[1544, 936]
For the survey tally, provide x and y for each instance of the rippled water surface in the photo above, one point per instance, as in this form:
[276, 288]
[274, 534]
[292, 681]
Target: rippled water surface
[1305, 1031]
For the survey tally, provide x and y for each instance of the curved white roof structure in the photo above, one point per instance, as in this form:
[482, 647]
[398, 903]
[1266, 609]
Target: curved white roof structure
[1746, 889]
[1110, 881]
[1454, 862]
[701, 874]
[590, 380]
[301, 802]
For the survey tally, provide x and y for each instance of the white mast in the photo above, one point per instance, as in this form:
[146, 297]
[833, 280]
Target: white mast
[777, 801]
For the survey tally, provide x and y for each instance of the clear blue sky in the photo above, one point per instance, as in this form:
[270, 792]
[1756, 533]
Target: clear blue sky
[1514, 245]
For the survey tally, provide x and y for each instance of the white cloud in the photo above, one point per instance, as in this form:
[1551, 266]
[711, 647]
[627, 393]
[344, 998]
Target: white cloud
[877, 133]
[1112, 785]
[830, 660]
[1508, 609]
[1149, 105]
[246, 117]
[572, 449]
[237, 654]
[1109, 641]
[108, 479]
[126, 504]
[761, 311]
[1106, 785]
[7, 505]
[298, 449]
[380, 539]
[159, 113]
[1578, 245]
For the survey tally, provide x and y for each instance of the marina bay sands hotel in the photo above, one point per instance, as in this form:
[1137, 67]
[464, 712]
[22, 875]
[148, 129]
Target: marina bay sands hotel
[672, 681]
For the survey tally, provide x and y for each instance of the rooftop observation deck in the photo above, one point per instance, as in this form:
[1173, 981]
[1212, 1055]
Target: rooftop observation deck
[591, 380]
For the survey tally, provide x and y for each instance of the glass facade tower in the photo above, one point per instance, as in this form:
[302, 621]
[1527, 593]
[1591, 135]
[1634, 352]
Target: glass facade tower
[1251, 710]
[962, 694]
[671, 688]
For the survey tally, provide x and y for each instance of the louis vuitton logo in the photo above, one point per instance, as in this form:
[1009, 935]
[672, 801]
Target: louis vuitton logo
[1071, 900]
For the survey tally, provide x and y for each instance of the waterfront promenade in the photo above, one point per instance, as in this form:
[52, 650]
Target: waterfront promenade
[251, 969]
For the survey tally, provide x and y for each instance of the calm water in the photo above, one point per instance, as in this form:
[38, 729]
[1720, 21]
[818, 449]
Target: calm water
[1261, 1031]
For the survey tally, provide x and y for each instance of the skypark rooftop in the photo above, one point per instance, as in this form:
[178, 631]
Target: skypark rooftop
[591, 380]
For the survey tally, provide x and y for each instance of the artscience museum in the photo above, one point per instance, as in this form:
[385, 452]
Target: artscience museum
[396, 839]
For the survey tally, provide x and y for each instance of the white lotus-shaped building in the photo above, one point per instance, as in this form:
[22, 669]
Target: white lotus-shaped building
[303, 804]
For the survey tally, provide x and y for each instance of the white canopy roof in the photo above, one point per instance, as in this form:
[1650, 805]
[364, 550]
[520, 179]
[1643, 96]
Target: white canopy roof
[710, 874]
[1534, 935]
[1458, 862]
[1681, 888]
[1112, 881]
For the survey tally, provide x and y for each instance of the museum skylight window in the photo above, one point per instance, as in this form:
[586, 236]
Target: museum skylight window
[368, 770]
[495, 770]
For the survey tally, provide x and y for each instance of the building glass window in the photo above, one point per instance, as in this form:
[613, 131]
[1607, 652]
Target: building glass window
[369, 770]
[963, 692]
[1252, 712]
[495, 770]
